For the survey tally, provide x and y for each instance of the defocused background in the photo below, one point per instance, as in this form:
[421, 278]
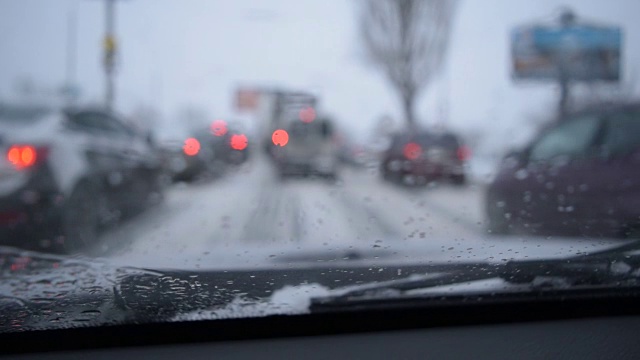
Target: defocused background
[135, 129]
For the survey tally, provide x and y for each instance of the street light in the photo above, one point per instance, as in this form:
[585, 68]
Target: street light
[70, 89]
[110, 50]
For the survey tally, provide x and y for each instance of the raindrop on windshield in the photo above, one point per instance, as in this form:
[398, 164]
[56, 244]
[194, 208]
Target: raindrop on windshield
[521, 174]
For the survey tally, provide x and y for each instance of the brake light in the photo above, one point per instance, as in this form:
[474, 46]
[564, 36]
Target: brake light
[22, 156]
[463, 153]
[238, 142]
[191, 147]
[280, 137]
[307, 115]
[412, 151]
[219, 128]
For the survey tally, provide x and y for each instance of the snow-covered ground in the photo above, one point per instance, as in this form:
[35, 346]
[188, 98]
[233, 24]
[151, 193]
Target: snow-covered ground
[250, 219]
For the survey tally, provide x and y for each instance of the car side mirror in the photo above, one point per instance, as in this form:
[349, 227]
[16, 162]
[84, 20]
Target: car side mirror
[516, 158]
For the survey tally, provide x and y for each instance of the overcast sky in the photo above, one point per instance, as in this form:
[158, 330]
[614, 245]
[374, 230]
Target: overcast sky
[179, 52]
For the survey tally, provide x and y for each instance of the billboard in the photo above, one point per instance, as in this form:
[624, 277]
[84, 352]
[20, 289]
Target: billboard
[248, 99]
[576, 52]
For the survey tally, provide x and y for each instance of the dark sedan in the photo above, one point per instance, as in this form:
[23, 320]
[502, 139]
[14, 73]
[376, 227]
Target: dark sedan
[420, 157]
[209, 151]
[578, 177]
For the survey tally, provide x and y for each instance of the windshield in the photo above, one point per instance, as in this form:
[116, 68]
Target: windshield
[264, 153]
[21, 114]
[301, 131]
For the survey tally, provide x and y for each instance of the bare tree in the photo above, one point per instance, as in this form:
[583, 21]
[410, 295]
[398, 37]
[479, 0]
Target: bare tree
[407, 40]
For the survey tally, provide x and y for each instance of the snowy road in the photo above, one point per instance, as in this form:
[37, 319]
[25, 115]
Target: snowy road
[250, 217]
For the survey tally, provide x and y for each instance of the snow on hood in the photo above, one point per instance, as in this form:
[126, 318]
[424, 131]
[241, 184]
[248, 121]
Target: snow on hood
[296, 300]
[289, 300]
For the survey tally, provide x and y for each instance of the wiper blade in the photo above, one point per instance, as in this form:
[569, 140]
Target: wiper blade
[621, 263]
[609, 267]
[599, 270]
[465, 273]
[394, 289]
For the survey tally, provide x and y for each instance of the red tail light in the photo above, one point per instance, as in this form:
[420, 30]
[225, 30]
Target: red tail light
[191, 147]
[238, 142]
[412, 151]
[280, 137]
[24, 156]
[463, 153]
[219, 128]
[307, 115]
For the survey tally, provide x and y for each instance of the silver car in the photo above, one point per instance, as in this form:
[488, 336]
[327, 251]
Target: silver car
[311, 150]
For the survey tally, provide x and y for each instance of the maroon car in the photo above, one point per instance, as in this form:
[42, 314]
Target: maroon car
[578, 177]
[420, 157]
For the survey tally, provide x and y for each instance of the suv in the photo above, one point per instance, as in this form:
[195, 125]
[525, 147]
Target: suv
[580, 176]
[67, 173]
[416, 158]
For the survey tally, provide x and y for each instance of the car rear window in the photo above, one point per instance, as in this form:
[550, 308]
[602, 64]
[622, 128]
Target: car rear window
[300, 130]
[22, 114]
[445, 140]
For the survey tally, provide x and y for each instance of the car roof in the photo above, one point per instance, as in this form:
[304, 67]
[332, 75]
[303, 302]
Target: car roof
[424, 134]
[605, 107]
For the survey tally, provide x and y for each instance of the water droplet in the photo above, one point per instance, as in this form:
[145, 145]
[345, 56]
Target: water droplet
[91, 312]
[521, 174]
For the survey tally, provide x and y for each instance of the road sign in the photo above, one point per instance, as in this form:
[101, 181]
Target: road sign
[109, 44]
[247, 100]
[110, 47]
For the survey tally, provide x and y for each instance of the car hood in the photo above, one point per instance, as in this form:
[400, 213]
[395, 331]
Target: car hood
[39, 291]
[382, 251]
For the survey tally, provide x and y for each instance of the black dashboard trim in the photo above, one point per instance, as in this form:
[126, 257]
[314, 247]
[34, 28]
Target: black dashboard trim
[414, 314]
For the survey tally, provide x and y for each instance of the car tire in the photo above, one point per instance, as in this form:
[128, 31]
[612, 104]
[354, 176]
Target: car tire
[283, 175]
[157, 193]
[80, 218]
[631, 231]
[183, 177]
[331, 177]
[390, 177]
[497, 224]
[497, 227]
[459, 179]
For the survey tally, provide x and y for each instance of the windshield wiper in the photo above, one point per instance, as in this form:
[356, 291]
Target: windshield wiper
[620, 265]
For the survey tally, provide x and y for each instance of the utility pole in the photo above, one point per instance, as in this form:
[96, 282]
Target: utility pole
[70, 89]
[567, 19]
[110, 49]
[563, 103]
